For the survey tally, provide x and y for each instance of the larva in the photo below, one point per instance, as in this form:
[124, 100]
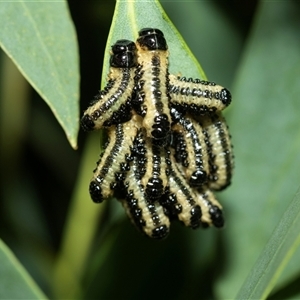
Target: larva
[198, 96]
[190, 149]
[113, 104]
[180, 199]
[148, 216]
[152, 97]
[156, 170]
[212, 209]
[219, 148]
[115, 161]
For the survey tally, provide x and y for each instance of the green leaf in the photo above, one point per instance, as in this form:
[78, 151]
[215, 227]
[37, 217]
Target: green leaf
[264, 122]
[15, 283]
[40, 38]
[282, 245]
[131, 16]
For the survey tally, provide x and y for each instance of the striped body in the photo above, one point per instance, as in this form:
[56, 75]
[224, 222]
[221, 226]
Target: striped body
[180, 200]
[148, 216]
[152, 98]
[113, 104]
[198, 96]
[213, 210]
[114, 164]
[155, 178]
[190, 150]
[219, 150]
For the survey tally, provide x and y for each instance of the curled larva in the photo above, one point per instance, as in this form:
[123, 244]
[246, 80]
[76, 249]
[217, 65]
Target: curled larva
[180, 199]
[198, 96]
[152, 97]
[155, 178]
[114, 163]
[213, 214]
[148, 216]
[219, 149]
[190, 149]
[113, 104]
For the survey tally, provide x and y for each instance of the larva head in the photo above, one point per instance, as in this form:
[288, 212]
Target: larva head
[123, 54]
[198, 178]
[216, 216]
[160, 232]
[225, 96]
[96, 192]
[195, 218]
[87, 123]
[152, 39]
[154, 189]
[161, 130]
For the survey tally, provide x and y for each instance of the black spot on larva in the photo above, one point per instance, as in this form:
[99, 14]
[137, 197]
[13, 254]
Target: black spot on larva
[154, 188]
[195, 217]
[170, 203]
[152, 39]
[225, 96]
[123, 54]
[161, 127]
[96, 192]
[216, 216]
[198, 178]
[87, 123]
[160, 232]
[155, 60]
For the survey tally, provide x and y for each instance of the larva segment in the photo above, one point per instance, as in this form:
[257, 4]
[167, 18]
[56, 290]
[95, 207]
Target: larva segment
[156, 169]
[152, 98]
[114, 164]
[213, 214]
[219, 148]
[113, 104]
[180, 199]
[198, 96]
[190, 150]
[148, 216]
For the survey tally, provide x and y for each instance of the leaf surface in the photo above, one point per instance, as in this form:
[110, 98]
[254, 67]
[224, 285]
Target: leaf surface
[40, 38]
[15, 282]
[265, 126]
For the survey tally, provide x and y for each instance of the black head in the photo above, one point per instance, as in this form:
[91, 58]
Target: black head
[152, 39]
[123, 54]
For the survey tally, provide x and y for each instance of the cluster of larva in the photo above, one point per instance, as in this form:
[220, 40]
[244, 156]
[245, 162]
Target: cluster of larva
[168, 145]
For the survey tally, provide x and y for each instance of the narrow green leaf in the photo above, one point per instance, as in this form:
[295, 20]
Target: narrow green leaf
[131, 16]
[278, 251]
[40, 38]
[15, 283]
[265, 126]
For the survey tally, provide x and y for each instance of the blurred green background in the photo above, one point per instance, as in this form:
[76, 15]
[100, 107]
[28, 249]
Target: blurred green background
[252, 48]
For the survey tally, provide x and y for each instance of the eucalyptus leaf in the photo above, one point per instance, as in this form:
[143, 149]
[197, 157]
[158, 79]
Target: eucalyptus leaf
[279, 250]
[265, 128]
[15, 282]
[131, 16]
[40, 38]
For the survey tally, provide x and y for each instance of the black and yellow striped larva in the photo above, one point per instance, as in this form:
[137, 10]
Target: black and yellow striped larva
[219, 149]
[213, 214]
[114, 163]
[180, 198]
[113, 104]
[152, 81]
[155, 178]
[198, 96]
[147, 215]
[190, 149]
